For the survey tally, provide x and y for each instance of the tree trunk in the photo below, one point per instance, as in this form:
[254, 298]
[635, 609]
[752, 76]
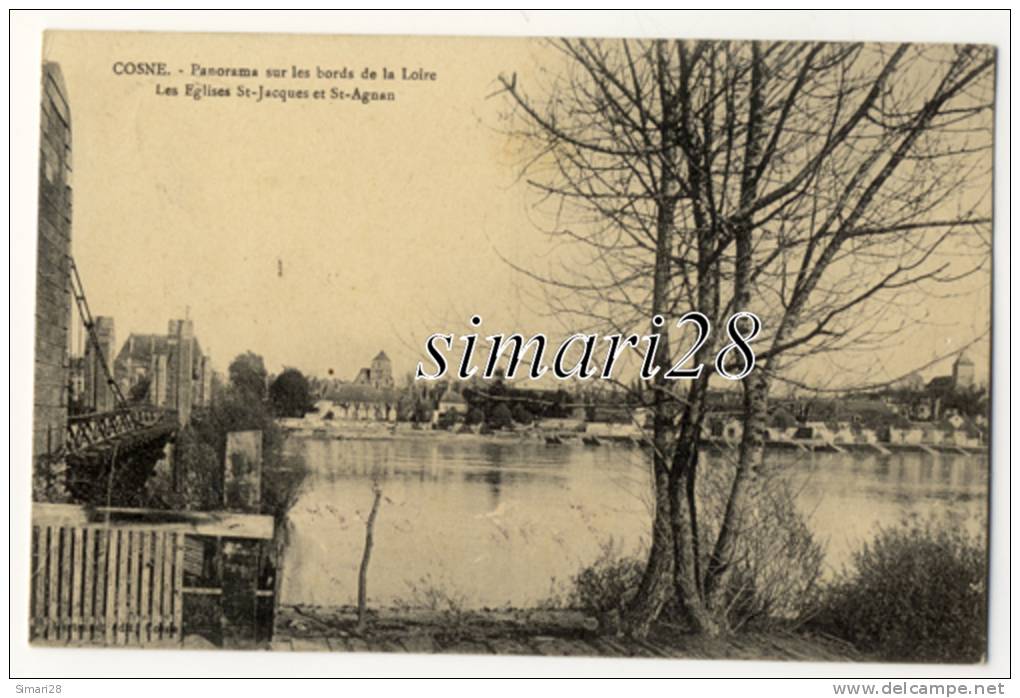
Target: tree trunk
[657, 581]
[749, 460]
[365, 557]
[687, 551]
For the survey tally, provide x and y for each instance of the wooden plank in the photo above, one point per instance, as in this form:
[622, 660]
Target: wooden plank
[66, 571]
[33, 573]
[144, 609]
[88, 610]
[120, 626]
[53, 545]
[178, 584]
[78, 569]
[168, 584]
[157, 586]
[112, 567]
[194, 557]
[99, 614]
[131, 587]
[39, 581]
[198, 523]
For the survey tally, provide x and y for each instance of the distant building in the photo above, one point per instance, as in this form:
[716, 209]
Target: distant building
[77, 384]
[451, 407]
[98, 395]
[451, 401]
[962, 376]
[362, 403]
[963, 372]
[727, 428]
[379, 374]
[940, 388]
[912, 382]
[177, 374]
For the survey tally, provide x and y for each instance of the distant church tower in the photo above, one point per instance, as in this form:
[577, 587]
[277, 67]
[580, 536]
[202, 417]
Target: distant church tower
[382, 371]
[963, 372]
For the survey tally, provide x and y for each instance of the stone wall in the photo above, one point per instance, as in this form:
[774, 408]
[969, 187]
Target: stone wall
[53, 297]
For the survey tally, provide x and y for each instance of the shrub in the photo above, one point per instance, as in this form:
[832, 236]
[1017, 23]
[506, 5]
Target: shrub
[501, 417]
[522, 415]
[447, 420]
[474, 416]
[282, 482]
[776, 566]
[775, 569]
[607, 584]
[200, 452]
[915, 593]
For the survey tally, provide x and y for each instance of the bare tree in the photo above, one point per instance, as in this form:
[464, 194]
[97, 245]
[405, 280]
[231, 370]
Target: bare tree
[820, 186]
[366, 555]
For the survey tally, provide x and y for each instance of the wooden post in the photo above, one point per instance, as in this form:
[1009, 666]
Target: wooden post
[99, 614]
[178, 585]
[157, 587]
[53, 544]
[77, 561]
[144, 608]
[131, 587]
[88, 592]
[168, 584]
[123, 550]
[39, 534]
[112, 567]
[66, 574]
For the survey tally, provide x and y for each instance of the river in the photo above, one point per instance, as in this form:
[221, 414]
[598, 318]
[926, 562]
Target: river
[476, 523]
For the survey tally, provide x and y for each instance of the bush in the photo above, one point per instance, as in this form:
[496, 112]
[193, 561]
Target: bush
[447, 420]
[607, 584]
[775, 569]
[501, 417]
[522, 415]
[200, 452]
[474, 416]
[776, 566]
[915, 593]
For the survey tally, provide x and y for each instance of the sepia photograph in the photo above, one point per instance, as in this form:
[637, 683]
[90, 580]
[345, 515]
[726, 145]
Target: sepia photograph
[670, 348]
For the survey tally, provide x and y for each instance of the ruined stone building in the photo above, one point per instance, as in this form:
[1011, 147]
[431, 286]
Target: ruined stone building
[169, 369]
[97, 395]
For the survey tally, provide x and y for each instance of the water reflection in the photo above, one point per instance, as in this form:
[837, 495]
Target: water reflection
[497, 523]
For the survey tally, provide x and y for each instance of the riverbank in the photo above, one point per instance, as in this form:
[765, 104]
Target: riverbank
[384, 431]
[303, 628]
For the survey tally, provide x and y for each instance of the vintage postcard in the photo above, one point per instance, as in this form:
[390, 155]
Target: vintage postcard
[600, 347]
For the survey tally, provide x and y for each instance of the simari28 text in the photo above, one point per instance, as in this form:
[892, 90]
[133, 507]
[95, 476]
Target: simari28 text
[578, 356]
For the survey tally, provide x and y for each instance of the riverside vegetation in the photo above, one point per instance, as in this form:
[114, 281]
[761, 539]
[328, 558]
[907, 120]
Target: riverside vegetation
[916, 593]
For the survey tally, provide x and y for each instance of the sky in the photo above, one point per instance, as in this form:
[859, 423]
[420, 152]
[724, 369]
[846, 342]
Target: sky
[318, 232]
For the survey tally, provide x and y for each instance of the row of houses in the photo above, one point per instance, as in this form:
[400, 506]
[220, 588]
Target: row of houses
[358, 403]
[625, 422]
[954, 431]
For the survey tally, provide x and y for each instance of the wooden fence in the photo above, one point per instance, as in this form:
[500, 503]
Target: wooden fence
[116, 576]
[115, 586]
